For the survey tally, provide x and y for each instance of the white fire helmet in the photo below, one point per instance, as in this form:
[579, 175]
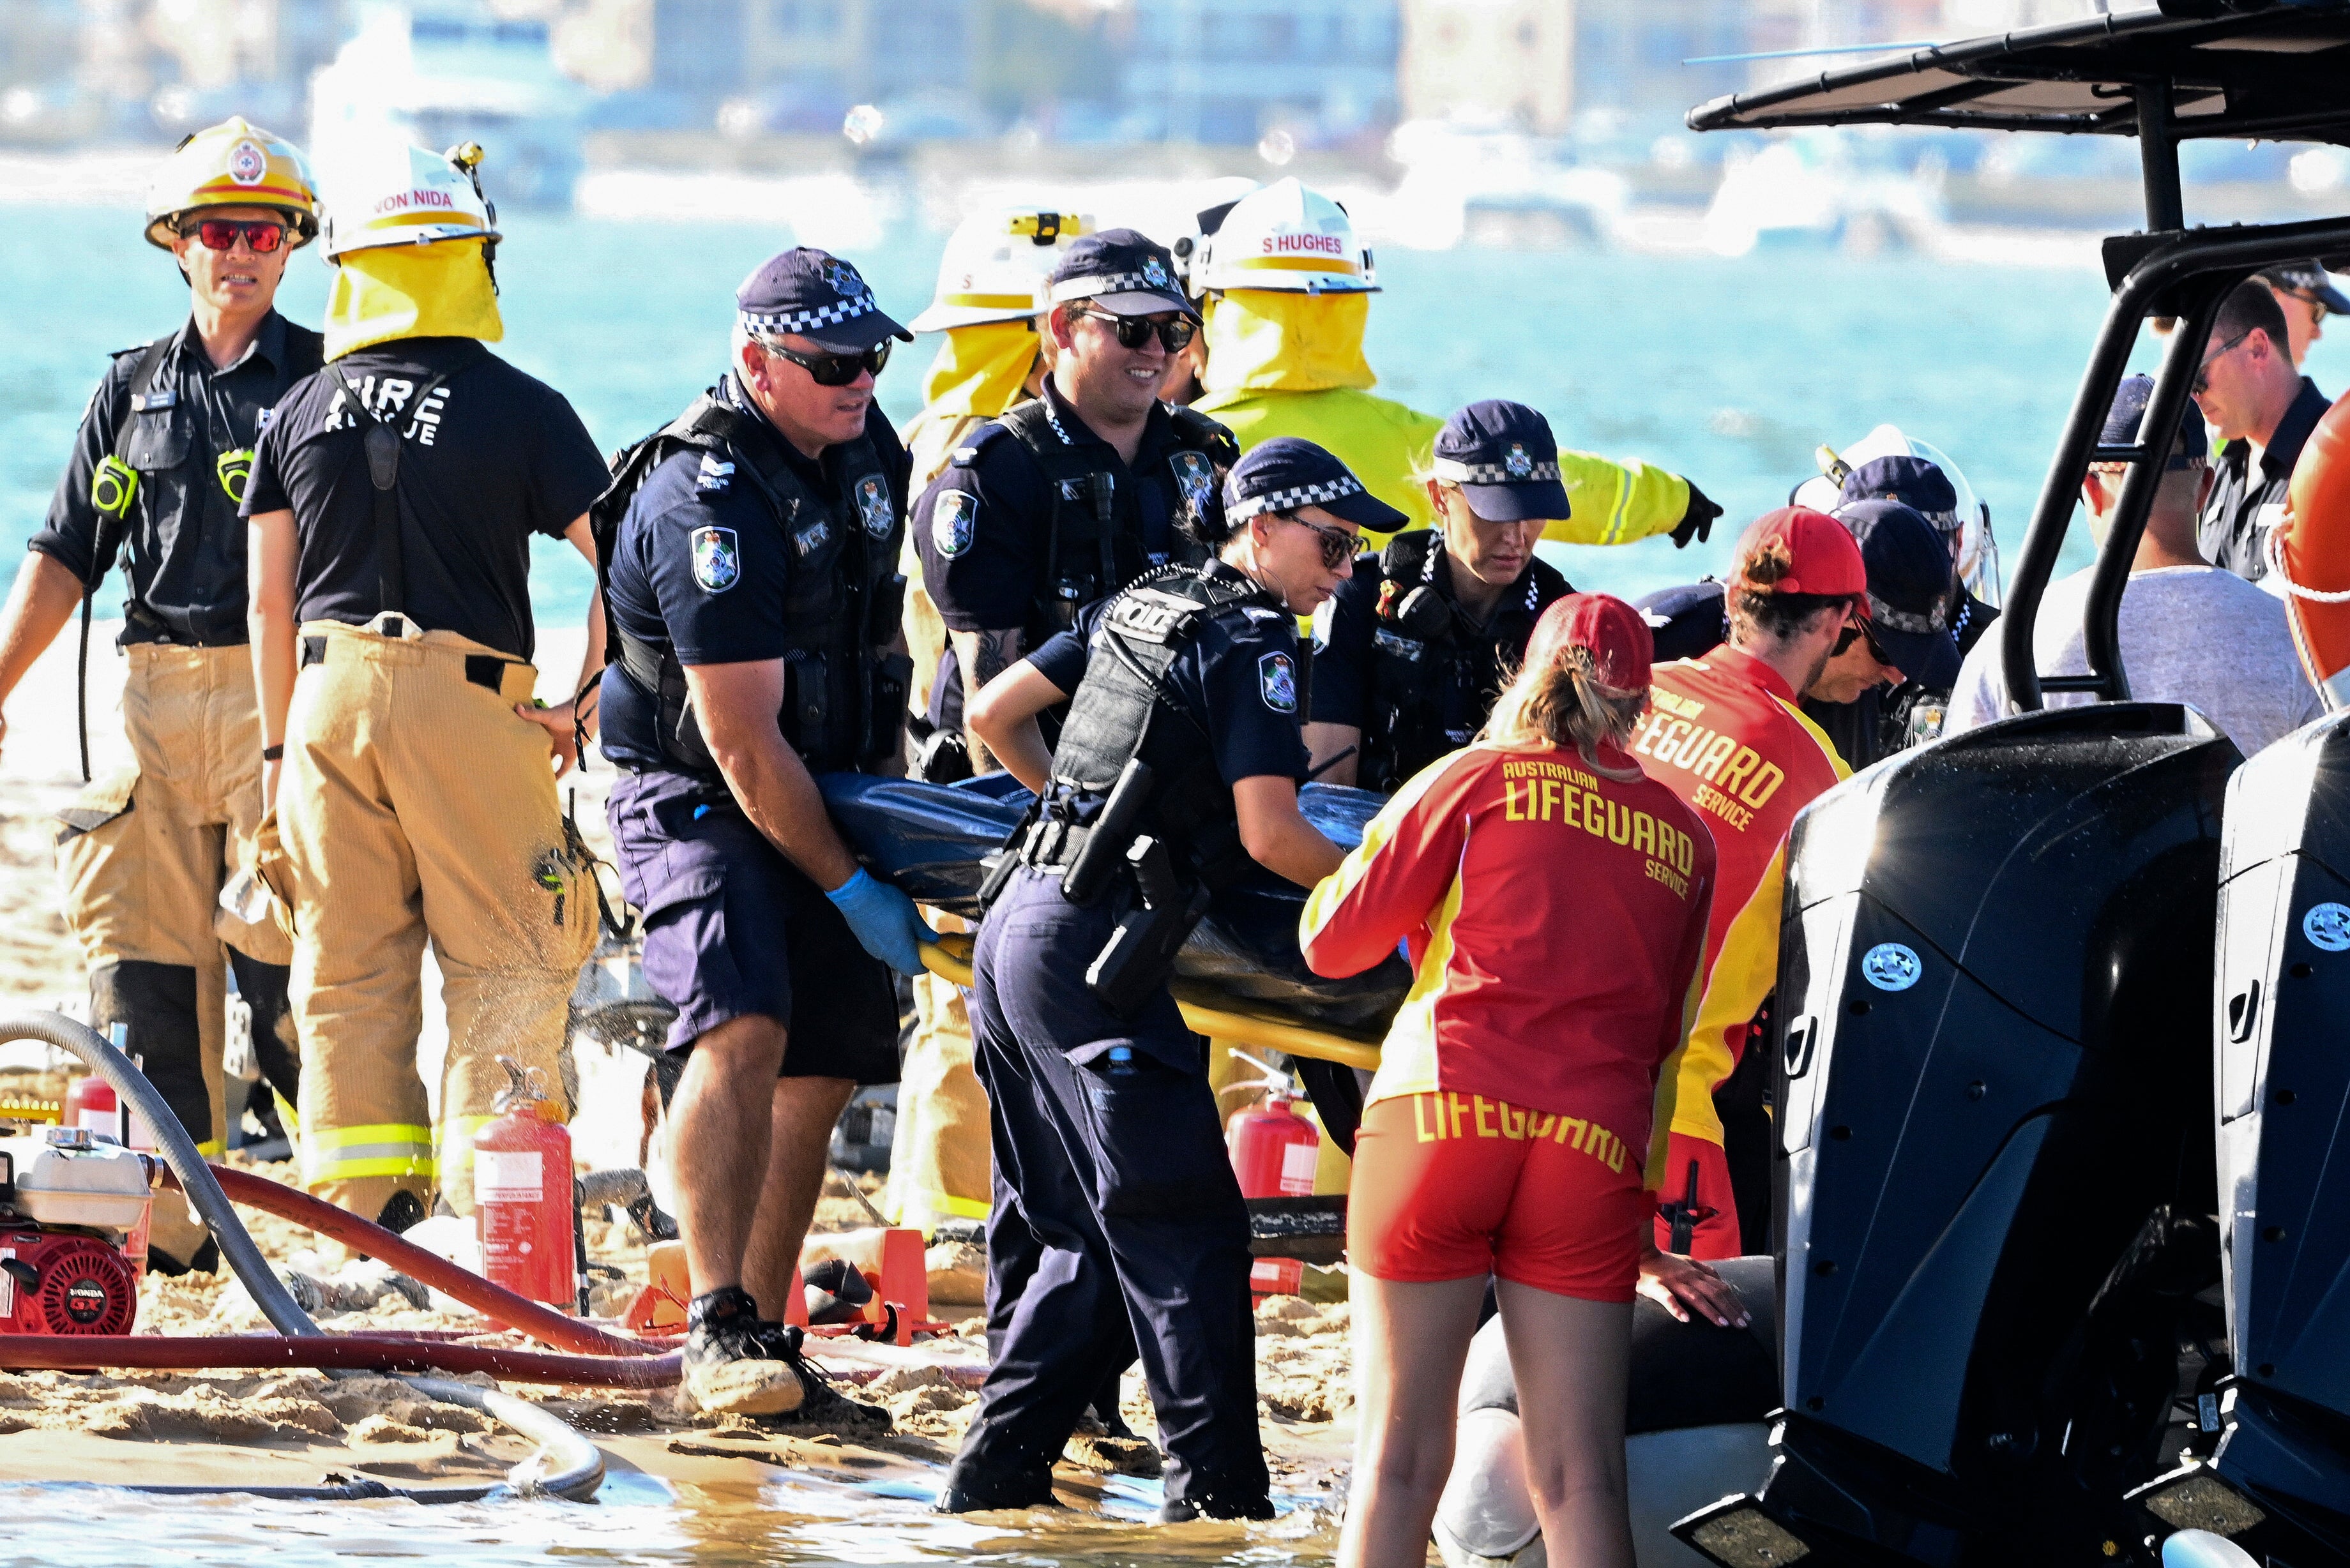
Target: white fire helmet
[1977, 549]
[1287, 238]
[392, 194]
[997, 265]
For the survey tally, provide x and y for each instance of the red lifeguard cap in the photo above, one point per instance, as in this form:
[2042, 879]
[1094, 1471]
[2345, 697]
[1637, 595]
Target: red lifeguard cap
[1619, 642]
[1795, 550]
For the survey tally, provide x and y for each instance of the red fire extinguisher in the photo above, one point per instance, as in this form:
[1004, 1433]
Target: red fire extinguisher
[521, 1194]
[1274, 1149]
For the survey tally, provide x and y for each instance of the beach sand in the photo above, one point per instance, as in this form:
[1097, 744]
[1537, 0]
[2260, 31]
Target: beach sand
[296, 1428]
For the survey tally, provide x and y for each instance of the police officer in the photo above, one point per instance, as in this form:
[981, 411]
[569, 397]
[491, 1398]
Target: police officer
[1179, 764]
[393, 502]
[1421, 642]
[157, 471]
[1924, 489]
[2262, 411]
[755, 600]
[1070, 497]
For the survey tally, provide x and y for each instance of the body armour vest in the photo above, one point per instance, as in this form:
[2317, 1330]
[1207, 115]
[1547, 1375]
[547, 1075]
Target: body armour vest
[1123, 711]
[844, 696]
[1422, 649]
[1094, 540]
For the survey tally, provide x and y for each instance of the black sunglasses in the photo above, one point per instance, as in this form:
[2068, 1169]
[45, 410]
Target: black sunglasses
[1134, 331]
[836, 369]
[1854, 629]
[1339, 547]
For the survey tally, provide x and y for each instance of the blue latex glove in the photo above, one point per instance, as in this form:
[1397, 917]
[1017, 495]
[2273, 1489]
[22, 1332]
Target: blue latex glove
[884, 920]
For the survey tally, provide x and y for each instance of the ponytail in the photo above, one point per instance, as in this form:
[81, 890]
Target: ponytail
[1565, 703]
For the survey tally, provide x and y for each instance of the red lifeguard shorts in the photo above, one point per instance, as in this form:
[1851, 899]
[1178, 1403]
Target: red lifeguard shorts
[1447, 1186]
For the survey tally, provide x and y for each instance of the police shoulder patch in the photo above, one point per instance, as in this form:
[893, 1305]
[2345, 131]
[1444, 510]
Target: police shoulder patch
[1276, 679]
[954, 521]
[717, 559]
[873, 508]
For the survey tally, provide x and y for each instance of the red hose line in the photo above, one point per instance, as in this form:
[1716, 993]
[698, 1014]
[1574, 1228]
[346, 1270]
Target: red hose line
[500, 1305]
[340, 1352]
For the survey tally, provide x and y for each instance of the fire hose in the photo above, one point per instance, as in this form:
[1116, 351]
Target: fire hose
[566, 1464]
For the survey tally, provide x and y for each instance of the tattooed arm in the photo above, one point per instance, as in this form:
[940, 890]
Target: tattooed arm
[983, 656]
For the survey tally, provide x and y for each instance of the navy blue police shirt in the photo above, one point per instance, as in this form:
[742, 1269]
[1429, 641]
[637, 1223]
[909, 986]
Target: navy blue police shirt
[1241, 676]
[660, 598]
[983, 528]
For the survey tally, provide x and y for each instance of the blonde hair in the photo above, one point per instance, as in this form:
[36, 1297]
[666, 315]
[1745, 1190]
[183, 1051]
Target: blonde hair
[1566, 704]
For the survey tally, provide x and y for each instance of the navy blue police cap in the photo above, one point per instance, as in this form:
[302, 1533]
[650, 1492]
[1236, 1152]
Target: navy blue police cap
[1124, 272]
[1908, 589]
[1505, 460]
[1912, 481]
[1288, 472]
[2129, 411]
[806, 292]
[2308, 280]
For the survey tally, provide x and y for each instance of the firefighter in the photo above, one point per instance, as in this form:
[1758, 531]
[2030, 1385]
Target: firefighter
[1287, 293]
[991, 359]
[393, 502]
[157, 470]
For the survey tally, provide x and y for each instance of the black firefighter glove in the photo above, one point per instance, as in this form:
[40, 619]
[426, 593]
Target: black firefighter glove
[1696, 523]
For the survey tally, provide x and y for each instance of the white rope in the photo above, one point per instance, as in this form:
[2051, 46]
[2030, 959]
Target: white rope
[2273, 547]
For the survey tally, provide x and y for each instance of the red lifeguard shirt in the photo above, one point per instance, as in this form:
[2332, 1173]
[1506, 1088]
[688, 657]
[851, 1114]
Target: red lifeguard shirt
[1722, 733]
[1556, 915]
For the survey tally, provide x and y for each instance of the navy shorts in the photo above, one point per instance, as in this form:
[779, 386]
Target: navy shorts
[728, 923]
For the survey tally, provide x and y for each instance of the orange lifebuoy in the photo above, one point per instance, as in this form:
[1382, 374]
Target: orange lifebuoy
[2311, 554]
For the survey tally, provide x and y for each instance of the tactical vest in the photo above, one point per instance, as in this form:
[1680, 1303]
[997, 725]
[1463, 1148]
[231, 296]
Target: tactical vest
[844, 696]
[1123, 711]
[1094, 544]
[1420, 646]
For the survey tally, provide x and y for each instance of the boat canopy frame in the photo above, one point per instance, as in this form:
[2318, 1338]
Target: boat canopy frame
[2186, 70]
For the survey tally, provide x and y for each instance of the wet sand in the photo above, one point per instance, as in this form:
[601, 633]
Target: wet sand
[296, 1427]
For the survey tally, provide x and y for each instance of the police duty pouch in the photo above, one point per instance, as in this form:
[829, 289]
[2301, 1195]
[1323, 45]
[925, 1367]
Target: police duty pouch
[1140, 953]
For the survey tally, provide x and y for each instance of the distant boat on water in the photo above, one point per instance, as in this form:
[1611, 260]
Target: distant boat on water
[438, 72]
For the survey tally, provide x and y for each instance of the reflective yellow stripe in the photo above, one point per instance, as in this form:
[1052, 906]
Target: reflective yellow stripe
[374, 1132]
[377, 1148]
[454, 1141]
[989, 301]
[1298, 263]
[915, 1204]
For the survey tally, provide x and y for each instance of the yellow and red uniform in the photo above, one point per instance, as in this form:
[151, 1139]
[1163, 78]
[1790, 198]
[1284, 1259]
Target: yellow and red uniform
[1723, 733]
[1555, 912]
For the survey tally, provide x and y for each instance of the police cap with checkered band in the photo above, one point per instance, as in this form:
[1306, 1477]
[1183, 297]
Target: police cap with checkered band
[1505, 460]
[1123, 272]
[806, 292]
[1288, 472]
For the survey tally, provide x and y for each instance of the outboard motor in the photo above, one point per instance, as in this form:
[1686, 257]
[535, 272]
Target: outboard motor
[1992, 1079]
[2280, 1484]
[1697, 1421]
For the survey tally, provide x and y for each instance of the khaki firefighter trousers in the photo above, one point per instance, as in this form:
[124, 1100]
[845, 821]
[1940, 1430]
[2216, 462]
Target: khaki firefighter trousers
[416, 805]
[142, 855]
[940, 1156]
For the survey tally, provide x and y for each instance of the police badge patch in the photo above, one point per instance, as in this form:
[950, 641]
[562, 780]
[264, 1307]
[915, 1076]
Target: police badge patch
[717, 562]
[1515, 462]
[841, 278]
[873, 508]
[1154, 272]
[954, 518]
[1195, 479]
[1277, 679]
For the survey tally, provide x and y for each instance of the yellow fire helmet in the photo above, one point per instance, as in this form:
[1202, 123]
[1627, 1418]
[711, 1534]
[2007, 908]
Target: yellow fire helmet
[232, 164]
[996, 265]
[390, 193]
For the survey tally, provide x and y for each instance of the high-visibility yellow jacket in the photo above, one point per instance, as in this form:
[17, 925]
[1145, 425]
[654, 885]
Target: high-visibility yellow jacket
[1293, 365]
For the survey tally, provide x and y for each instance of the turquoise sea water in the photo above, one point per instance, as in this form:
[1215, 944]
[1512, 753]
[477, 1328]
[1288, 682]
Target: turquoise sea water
[1730, 371]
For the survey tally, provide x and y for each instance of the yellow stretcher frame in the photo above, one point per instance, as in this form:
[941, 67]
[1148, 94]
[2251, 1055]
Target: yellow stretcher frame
[1206, 1012]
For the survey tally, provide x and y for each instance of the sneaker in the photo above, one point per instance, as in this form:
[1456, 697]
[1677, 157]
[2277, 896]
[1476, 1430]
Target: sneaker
[738, 1363]
[825, 1407]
